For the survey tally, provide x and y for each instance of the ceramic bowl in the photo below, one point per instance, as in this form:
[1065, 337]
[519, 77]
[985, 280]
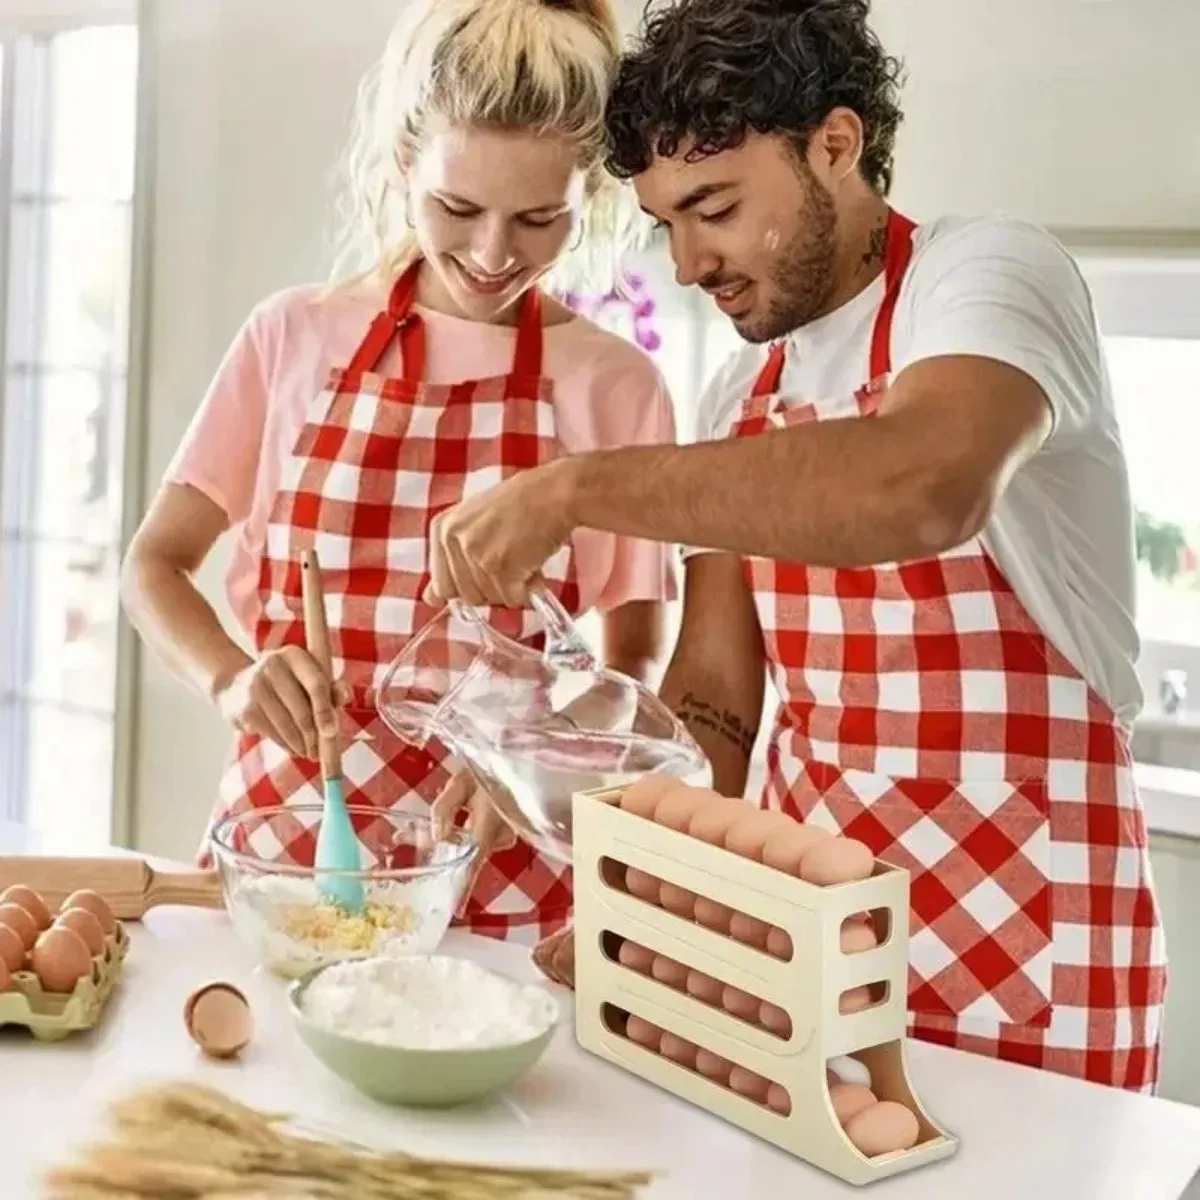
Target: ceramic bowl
[416, 1078]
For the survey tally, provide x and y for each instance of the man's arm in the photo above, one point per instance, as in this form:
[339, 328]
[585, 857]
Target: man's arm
[918, 479]
[715, 678]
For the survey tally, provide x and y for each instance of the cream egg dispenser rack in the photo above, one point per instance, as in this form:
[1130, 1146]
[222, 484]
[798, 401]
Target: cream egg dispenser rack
[735, 982]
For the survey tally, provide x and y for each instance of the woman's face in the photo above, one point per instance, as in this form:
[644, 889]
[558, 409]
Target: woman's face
[492, 210]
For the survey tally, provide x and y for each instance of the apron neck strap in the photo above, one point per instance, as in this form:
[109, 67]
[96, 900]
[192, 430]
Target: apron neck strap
[527, 359]
[897, 256]
[397, 319]
[400, 319]
[767, 382]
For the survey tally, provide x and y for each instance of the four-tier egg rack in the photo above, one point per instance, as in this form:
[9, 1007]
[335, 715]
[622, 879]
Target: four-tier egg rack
[807, 987]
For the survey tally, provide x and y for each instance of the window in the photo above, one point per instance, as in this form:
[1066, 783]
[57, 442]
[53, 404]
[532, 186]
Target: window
[67, 148]
[1156, 383]
[1149, 310]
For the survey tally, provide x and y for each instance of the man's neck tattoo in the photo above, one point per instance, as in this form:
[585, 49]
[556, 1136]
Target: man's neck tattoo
[876, 246]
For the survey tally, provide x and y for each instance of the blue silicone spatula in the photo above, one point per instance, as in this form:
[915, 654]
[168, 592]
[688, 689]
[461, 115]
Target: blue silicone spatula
[337, 843]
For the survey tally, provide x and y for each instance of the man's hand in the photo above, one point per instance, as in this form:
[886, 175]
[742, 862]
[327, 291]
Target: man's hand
[485, 824]
[555, 957]
[490, 549]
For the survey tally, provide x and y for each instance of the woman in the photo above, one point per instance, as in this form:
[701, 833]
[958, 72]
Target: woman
[344, 419]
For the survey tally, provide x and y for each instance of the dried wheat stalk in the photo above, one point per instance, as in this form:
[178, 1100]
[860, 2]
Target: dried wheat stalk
[187, 1142]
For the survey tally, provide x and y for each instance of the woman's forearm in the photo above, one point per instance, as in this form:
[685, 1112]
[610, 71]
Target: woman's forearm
[179, 625]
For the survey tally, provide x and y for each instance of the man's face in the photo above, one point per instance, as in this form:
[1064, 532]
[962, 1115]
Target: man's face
[753, 226]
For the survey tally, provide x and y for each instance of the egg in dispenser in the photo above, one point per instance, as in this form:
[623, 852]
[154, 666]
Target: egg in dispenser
[736, 957]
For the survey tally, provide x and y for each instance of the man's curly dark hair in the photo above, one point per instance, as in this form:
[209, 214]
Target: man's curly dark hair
[710, 71]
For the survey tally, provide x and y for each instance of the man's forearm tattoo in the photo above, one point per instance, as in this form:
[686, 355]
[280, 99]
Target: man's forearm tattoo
[697, 713]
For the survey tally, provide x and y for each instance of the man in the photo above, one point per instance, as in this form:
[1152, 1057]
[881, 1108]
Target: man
[908, 495]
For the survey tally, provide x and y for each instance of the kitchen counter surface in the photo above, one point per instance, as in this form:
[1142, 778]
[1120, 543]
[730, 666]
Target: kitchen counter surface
[1023, 1132]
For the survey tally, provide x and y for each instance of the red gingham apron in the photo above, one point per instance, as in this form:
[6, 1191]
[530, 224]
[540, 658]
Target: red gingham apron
[925, 713]
[378, 458]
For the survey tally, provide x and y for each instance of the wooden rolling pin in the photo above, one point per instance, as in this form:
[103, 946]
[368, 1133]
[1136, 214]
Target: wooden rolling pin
[130, 885]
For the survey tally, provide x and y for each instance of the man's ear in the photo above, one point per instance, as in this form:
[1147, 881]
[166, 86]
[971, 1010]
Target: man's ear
[835, 149]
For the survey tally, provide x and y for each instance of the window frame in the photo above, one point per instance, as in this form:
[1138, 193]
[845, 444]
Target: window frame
[46, 19]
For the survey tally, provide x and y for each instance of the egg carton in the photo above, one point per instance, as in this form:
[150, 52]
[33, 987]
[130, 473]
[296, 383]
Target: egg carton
[808, 988]
[52, 1016]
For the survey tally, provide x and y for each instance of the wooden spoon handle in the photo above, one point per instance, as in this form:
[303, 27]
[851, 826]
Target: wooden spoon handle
[316, 635]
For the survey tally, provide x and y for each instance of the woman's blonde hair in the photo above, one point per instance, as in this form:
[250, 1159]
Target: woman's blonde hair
[537, 64]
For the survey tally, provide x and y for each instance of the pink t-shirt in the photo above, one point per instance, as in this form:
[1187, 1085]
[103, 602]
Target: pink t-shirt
[607, 393]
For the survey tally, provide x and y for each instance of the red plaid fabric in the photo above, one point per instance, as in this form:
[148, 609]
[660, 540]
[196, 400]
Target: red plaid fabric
[376, 461]
[925, 713]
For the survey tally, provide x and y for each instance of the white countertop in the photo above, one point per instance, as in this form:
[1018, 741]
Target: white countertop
[1023, 1132]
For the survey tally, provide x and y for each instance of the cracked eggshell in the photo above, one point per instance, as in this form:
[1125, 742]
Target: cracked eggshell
[219, 1020]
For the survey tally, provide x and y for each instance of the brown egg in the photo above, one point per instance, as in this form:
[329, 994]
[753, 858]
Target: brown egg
[6, 979]
[785, 851]
[642, 1032]
[87, 926]
[641, 798]
[775, 1019]
[714, 818]
[883, 1128]
[667, 970]
[857, 936]
[779, 1100]
[676, 808]
[12, 949]
[712, 915]
[96, 905]
[855, 1000]
[677, 900]
[837, 860]
[60, 959]
[30, 901]
[849, 1099]
[713, 1066]
[20, 922]
[636, 958]
[748, 837]
[740, 1004]
[779, 944]
[749, 930]
[219, 1020]
[704, 988]
[748, 1084]
[678, 1050]
[642, 885]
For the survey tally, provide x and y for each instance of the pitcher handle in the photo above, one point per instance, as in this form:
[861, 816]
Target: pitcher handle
[565, 645]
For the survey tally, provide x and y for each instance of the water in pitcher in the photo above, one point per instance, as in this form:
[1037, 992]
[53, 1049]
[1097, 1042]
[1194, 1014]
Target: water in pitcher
[533, 773]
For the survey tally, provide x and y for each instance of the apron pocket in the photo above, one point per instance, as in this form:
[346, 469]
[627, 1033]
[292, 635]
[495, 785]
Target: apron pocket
[979, 856]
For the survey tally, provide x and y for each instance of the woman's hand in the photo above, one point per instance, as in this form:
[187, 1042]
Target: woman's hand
[484, 822]
[284, 696]
[555, 957]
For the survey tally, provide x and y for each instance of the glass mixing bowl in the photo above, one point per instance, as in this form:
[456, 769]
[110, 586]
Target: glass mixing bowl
[413, 884]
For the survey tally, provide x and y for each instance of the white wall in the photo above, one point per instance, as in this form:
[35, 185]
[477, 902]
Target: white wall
[252, 101]
[1076, 113]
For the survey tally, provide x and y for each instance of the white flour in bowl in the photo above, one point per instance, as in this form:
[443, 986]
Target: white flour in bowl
[427, 1002]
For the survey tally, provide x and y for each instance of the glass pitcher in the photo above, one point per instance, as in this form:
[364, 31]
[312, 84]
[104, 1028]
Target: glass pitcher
[533, 726]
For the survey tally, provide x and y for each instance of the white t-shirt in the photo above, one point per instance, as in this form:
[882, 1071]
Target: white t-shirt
[1062, 532]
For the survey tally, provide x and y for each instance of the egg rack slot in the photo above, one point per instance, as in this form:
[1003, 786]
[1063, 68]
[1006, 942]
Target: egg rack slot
[814, 1004]
[52, 1016]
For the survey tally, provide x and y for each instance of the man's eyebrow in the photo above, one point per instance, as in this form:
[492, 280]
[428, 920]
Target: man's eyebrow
[700, 194]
